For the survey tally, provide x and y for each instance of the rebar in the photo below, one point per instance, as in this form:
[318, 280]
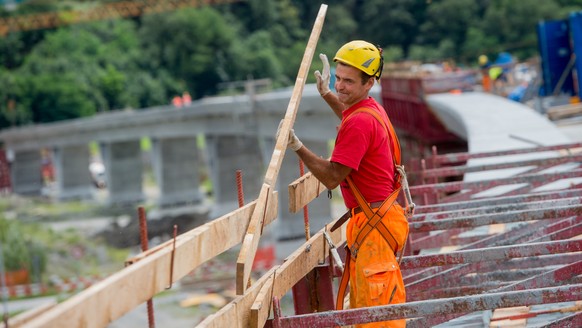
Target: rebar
[143, 233]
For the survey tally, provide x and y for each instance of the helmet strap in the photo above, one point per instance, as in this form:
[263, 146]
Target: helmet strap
[381, 67]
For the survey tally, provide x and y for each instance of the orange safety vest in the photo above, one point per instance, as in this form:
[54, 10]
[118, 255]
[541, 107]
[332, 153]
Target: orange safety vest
[486, 81]
[379, 283]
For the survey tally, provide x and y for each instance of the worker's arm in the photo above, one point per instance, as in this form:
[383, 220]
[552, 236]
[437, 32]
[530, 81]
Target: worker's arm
[329, 173]
[323, 87]
[334, 103]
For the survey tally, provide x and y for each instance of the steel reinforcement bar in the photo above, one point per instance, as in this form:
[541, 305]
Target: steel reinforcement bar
[432, 307]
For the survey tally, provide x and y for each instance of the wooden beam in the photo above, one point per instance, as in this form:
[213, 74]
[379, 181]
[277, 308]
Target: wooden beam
[255, 303]
[236, 314]
[22, 318]
[123, 291]
[251, 240]
[564, 111]
[303, 190]
[296, 266]
[262, 303]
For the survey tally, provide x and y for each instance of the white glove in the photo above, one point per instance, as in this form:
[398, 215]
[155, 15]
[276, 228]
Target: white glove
[293, 142]
[323, 79]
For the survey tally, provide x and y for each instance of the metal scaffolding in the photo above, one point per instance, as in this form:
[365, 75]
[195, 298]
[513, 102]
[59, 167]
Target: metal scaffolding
[480, 260]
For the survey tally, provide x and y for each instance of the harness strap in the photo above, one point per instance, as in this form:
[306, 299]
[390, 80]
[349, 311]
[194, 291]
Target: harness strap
[343, 286]
[374, 219]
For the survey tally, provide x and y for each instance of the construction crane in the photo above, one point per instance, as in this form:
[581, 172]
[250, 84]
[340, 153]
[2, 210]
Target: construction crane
[114, 10]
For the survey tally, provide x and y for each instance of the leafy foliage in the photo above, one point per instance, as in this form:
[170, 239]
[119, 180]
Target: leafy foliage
[17, 249]
[79, 70]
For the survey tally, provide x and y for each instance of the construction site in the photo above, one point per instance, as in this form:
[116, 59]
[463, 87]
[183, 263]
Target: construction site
[494, 192]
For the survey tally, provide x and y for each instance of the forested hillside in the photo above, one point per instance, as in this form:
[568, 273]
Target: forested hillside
[82, 69]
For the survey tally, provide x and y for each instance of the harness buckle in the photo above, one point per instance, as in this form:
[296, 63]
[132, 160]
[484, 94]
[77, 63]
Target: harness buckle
[354, 251]
[409, 206]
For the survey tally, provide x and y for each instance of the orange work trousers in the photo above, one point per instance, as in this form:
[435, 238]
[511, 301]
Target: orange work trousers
[375, 277]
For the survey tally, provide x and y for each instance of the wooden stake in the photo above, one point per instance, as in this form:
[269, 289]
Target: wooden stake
[251, 240]
[295, 267]
[118, 294]
[253, 306]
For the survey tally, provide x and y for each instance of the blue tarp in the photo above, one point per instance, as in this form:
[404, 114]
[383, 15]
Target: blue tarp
[503, 59]
[517, 93]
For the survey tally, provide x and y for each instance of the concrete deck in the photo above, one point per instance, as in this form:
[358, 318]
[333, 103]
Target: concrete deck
[492, 123]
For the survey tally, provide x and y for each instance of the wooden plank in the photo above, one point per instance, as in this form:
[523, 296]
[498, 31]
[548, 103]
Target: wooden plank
[296, 266]
[261, 306]
[564, 111]
[152, 250]
[27, 316]
[236, 314]
[123, 291]
[303, 190]
[251, 240]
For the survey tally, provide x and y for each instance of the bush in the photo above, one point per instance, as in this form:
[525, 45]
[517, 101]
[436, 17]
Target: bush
[19, 250]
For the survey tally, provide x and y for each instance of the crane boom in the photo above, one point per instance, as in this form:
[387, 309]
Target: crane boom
[122, 9]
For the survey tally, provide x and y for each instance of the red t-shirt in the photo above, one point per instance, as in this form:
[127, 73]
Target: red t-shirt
[363, 145]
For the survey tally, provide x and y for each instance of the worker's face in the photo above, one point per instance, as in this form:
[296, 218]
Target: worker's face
[348, 84]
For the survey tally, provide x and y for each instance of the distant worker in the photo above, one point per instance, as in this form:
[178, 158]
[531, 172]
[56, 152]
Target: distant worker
[177, 101]
[186, 98]
[363, 164]
[499, 78]
[485, 78]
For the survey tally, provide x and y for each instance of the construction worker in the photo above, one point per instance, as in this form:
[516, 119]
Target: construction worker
[484, 67]
[177, 101]
[186, 98]
[363, 165]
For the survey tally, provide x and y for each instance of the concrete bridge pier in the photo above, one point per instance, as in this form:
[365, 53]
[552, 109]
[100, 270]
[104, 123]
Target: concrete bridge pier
[72, 176]
[226, 155]
[123, 171]
[26, 172]
[176, 168]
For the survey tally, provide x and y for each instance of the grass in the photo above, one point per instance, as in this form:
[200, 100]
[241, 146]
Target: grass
[67, 253]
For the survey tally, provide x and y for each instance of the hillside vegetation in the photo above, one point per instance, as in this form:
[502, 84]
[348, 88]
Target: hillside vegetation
[83, 69]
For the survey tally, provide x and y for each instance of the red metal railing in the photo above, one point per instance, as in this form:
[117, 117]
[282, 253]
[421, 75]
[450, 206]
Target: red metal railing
[516, 249]
[403, 97]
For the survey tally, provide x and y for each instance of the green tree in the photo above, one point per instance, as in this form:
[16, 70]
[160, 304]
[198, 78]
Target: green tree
[12, 109]
[59, 97]
[193, 45]
[391, 22]
[11, 51]
[570, 5]
[256, 57]
[448, 20]
[112, 84]
[513, 23]
[477, 43]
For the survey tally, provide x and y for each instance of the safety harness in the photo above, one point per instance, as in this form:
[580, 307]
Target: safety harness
[375, 217]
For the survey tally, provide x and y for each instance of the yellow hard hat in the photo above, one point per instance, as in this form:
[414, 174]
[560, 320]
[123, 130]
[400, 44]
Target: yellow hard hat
[483, 60]
[362, 55]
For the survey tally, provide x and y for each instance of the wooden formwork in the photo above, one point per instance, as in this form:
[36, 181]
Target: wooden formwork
[155, 269]
[467, 252]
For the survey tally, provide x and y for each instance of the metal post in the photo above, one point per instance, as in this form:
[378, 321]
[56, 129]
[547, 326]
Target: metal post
[143, 230]
[239, 187]
[4, 288]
